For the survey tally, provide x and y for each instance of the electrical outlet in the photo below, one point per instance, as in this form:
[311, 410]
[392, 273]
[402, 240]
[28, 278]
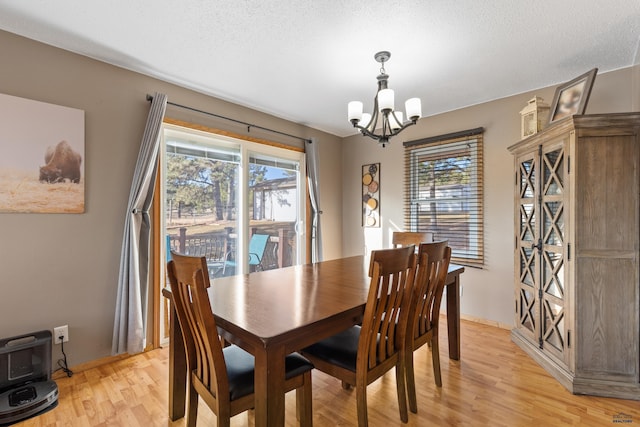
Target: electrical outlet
[61, 334]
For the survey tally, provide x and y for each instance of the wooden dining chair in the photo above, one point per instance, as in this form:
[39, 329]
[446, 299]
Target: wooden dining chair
[424, 314]
[363, 353]
[223, 378]
[406, 238]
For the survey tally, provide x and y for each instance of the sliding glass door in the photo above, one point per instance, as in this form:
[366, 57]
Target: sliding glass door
[238, 203]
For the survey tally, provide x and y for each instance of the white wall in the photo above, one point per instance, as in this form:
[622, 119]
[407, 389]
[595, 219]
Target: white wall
[487, 293]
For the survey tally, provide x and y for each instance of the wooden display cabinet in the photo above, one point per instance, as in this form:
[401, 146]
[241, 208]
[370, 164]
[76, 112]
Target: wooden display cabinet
[577, 238]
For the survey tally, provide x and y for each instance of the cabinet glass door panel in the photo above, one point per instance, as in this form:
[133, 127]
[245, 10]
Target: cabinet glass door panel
[553, 325]
[528, 269]
[527, 178]
[553, 274]
[552, 244]
[527, 221]
[553, 167]
[527, 305]
[553, 223]
[527, 266]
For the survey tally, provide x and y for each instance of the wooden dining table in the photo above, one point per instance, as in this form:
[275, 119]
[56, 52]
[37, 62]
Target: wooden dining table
[273, 313]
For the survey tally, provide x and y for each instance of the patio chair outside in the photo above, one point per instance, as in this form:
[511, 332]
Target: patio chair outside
[257, 248]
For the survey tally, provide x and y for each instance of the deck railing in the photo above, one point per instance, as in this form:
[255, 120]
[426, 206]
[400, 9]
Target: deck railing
[218, 246]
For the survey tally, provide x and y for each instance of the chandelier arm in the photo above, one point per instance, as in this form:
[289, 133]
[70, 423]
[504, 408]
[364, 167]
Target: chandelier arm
[386, 126]
[367, 132]
[411, 123]
[371, 126]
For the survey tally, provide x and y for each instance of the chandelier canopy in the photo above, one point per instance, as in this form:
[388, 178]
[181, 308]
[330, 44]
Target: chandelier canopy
[385, 118]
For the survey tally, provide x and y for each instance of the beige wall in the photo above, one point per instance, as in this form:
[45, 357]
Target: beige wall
[62, 269]
[487, 293]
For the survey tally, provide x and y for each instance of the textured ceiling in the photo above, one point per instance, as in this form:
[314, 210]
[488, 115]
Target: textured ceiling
[304, 60]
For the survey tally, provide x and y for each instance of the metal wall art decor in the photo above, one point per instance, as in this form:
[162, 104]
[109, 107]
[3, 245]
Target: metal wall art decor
[371, 195]
[42, 160]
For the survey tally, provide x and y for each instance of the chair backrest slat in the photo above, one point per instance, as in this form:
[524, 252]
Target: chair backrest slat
[384, 324]
[431, 276]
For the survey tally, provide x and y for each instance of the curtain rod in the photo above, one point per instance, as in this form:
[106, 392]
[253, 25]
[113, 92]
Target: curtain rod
[249, 125]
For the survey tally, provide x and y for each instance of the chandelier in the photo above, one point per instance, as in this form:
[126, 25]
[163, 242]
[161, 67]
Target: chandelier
[385, 119]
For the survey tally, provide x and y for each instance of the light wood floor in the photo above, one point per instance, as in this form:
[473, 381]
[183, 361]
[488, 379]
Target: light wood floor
[495, 384]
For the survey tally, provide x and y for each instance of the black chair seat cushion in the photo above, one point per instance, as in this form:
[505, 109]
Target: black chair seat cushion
[240, 369]
[340, 349]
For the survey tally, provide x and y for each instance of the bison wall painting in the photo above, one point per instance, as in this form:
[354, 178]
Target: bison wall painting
[41, 157]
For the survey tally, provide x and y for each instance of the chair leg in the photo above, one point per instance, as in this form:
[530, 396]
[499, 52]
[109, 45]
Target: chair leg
[411, 383]
[346, 385]
[402, 391]
[223, 414]
[361, 400]
[304, 403]
[192, 406]
[223, 421]
[435, 357]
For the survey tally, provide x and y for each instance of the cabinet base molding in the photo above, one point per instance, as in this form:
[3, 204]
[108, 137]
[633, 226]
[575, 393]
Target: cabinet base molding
[577, 385]
[603, 388]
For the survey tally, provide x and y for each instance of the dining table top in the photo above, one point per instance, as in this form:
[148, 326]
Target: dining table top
[280, 302]
[277, 302]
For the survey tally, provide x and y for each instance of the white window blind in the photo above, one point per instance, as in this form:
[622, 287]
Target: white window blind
[444, 192]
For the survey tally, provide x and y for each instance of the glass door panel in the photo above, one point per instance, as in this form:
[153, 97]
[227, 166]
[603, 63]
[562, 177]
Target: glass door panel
[275, 191]
[553, 243]
[527, 304]
[200, 197]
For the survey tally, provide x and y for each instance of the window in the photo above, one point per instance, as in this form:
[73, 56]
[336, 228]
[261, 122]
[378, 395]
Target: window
[444, 192]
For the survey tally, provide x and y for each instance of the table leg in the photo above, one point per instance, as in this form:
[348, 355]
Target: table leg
[453, 317]
[269, 387]
[177, 369]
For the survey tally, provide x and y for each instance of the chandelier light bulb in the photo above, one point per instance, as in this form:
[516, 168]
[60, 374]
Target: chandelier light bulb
[413, 107]
[385, 99]
[366, 119]
[395, 120]
[355, 111]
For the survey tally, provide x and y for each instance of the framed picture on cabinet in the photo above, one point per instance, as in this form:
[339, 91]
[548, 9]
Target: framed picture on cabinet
[572, 97]
[371, 195]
